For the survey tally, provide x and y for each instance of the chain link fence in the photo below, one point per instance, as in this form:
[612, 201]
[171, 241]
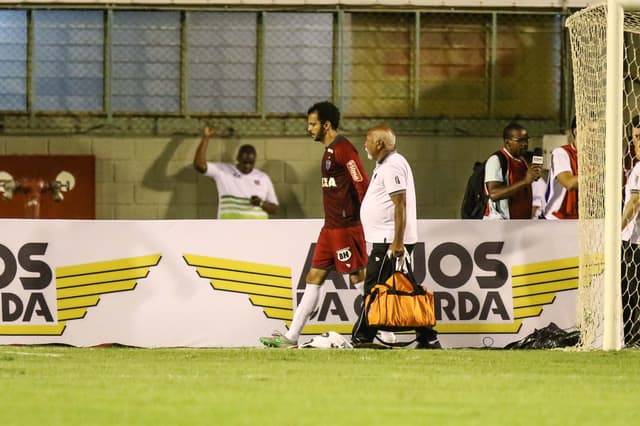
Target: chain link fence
[167, 71]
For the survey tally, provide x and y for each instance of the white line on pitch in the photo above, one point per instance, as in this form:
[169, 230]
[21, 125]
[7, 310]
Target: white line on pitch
[30, 353]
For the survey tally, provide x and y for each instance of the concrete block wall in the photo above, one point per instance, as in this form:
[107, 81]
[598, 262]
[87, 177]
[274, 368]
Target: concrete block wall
[152, 178]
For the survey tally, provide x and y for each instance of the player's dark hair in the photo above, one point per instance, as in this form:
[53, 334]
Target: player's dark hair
[511, 128]
[635, 122]
[574, 125]
[326, 112]
[247, 149]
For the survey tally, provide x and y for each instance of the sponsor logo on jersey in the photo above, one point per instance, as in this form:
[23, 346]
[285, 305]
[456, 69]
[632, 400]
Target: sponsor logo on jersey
[329, 182]
[344, 254]
[327, 164]
[354, 171]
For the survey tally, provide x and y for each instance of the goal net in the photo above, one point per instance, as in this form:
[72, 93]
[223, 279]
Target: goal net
[605, 48]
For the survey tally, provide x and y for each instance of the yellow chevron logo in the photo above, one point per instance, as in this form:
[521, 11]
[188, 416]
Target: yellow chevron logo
[534, 286]
[267, 286]
[79, 288]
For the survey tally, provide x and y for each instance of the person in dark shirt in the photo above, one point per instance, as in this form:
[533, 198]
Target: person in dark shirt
[341, 245]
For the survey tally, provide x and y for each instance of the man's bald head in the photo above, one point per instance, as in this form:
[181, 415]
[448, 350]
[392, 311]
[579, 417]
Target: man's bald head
[386, 135]
[381, 140]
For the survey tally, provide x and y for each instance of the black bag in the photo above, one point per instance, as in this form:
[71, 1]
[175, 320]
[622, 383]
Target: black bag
[475, 199]
[548, 337]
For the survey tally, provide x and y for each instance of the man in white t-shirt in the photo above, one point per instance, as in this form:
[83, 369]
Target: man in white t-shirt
[389, 219]
[562, 199]
[631, 247]
[244, 192]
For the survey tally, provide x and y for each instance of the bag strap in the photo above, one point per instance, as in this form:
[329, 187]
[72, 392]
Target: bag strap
[380, 269]
[395, 268]
[406, 268]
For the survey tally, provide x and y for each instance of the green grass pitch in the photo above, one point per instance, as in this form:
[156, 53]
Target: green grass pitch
[54, 385]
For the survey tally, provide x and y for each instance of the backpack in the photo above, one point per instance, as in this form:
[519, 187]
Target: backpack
[475, 199]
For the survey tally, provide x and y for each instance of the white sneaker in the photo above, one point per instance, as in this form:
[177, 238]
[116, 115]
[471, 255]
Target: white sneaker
[387, 336]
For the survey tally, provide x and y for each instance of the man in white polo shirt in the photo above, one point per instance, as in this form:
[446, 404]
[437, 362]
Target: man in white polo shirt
[244, 192]
[389, 218]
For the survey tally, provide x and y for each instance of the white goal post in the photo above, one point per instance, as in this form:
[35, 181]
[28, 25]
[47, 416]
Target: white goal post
[605, 75]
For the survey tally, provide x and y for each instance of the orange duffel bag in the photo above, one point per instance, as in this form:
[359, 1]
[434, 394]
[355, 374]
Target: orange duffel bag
[400, 303]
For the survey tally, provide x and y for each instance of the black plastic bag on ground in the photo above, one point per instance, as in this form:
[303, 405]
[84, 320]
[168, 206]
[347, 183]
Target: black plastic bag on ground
[548, 337]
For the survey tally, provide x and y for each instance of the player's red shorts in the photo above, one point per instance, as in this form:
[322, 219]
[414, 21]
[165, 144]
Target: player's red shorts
[342, 248]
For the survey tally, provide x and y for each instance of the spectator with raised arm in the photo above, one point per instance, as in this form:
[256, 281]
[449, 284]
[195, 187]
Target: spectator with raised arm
[244, 192]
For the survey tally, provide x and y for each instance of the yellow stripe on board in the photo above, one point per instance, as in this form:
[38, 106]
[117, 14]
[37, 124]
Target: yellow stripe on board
[338, 328]
[527, 312]
[345, 329]
[272, 302]
[71, 314]
[236, 265]
[109, 265]
[478, 328]
[78, 302]
[277, 313]
[323, 328]
[251, 289]
[594, 268]
[545, 288]
[247, 277]
[551, 265]
[594, 259]
[32, 330]
[544, 277]
[533, 300]
[102, 277]
[96, 289]
[475, 328]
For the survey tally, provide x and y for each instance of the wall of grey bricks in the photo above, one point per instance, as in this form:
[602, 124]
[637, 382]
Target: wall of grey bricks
[153, 178]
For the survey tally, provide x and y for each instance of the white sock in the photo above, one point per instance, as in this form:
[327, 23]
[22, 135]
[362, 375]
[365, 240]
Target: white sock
[303, 311]
[360, 287]
[321, 294]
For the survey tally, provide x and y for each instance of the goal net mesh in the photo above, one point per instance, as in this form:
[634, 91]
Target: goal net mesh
[587, 30]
